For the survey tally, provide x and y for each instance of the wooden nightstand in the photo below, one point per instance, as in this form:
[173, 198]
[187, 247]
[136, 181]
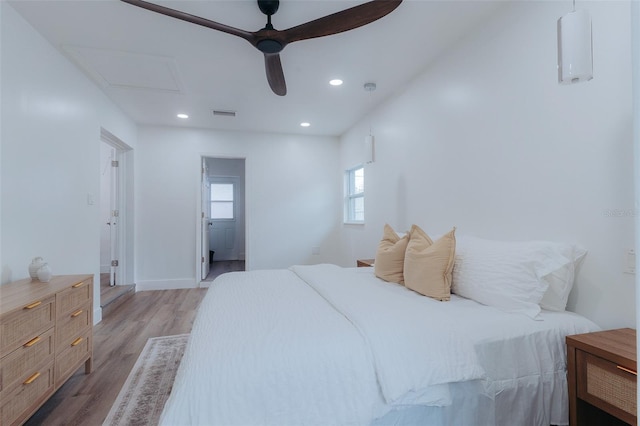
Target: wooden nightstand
[364, 262]
[602, 377]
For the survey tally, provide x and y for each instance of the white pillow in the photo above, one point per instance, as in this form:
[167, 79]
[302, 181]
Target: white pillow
[561, 280]
[515, 276]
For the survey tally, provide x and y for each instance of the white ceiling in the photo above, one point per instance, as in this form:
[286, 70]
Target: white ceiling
[154, 66]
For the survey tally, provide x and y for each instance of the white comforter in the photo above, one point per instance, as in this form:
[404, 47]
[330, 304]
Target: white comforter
[326, 345]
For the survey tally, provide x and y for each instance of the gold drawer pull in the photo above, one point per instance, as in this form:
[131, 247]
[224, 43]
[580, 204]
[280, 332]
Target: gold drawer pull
[33, 305]
[76, 285]
[75, 314]
[32, 342]
[31, 379]
[77, 341]
[635, 373]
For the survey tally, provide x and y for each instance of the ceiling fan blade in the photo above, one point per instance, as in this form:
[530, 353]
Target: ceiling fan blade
[192, 18]
[345, 20]
[275, 75]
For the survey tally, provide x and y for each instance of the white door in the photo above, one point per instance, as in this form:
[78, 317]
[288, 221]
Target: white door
[113, 219]
[223, 196]
[109, 212]
[204, 222]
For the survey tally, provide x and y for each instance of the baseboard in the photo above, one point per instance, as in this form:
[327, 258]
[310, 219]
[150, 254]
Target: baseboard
[205, 284]
[165, 284]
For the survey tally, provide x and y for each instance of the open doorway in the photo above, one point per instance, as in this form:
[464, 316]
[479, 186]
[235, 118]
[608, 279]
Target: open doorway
[116, 279]
[223, 218]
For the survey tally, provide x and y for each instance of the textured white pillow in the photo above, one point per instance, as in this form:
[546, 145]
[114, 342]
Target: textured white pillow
[561, 280]
[514, 276]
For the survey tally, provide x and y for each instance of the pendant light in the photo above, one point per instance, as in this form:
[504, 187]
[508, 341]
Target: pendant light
[575, 47]
[369, 144]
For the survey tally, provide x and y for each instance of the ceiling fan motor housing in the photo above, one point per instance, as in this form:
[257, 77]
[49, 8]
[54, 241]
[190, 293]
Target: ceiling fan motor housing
[268, 7]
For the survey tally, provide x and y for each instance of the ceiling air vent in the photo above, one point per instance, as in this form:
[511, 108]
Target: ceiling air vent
[222, 113]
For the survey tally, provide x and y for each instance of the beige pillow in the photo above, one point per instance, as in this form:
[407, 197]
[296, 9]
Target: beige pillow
[389, 261]
[428, 265]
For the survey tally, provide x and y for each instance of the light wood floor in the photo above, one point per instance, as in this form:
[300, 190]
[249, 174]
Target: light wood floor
[117, 342]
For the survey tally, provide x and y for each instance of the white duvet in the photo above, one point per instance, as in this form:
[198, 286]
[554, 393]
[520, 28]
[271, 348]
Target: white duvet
[333, 346]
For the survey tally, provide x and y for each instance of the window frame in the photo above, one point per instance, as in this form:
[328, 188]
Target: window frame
[233, 201]
[350, 197]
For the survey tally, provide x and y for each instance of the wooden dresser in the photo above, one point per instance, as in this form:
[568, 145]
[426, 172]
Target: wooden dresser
[602, 371]
[45, 336]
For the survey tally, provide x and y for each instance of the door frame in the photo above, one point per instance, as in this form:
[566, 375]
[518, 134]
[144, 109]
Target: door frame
[124, 171]
[198, 211]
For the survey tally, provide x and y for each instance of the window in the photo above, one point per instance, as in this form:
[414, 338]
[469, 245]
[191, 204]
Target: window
[222, 201]
[354, 199]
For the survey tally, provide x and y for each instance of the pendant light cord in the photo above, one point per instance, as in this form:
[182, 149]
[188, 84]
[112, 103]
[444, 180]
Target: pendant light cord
[370, 93]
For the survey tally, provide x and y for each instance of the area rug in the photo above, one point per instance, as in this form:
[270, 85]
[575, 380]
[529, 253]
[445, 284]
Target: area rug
[143, 395]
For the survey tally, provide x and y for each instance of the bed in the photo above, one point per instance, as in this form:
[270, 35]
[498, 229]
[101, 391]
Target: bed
[326, 345]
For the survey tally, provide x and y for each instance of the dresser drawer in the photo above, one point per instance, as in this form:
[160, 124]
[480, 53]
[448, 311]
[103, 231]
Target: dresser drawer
[71, 325]
[606, 385]
[20, 401]
[72, 356]
[73, 297]
[19, 363]
[26, 323]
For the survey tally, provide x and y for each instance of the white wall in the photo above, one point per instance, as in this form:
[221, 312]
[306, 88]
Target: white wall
[488, 141]
[51, 120]
[635, 48]
[291, 200]
[1, 134]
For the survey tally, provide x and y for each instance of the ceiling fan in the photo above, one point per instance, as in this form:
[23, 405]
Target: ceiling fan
[271, 41]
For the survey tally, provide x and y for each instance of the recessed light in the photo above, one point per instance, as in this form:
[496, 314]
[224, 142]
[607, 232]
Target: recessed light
[182, 115]
[305, 124]
[336, 82]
